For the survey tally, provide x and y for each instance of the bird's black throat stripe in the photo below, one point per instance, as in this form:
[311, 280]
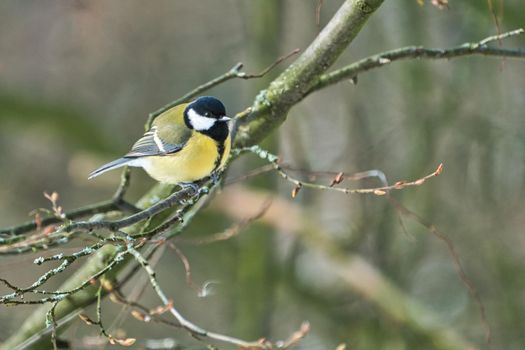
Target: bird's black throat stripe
[219, 133]
[220, 151]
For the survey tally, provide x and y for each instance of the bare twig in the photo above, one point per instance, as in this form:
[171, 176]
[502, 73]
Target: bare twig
[413, 52]
[56, 295]
[295, 338]
[52, 323]
[116, 203]
[318, 8]
[255, 172]
[234, 72]
[455, 258]
[47, 331]
[232, 230]
[192, 328]
[115, 225]
[112, 340]
[379, 191]
[265, 71]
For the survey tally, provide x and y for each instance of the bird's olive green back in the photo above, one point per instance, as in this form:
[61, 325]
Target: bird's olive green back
[171, 127]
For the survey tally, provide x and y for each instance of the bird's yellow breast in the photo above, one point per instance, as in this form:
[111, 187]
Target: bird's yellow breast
[195, 161]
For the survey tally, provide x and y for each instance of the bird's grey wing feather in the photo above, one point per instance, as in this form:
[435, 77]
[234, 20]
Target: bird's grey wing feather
[152, 145]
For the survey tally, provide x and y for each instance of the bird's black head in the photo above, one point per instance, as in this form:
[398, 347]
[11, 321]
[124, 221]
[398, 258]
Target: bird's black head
[208, 116]
[208, 106]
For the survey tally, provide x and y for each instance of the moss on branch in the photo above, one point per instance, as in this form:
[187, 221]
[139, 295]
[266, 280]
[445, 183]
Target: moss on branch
[271, 106]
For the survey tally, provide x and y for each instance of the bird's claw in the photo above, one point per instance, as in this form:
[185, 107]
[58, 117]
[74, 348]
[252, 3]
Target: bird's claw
[194, 187]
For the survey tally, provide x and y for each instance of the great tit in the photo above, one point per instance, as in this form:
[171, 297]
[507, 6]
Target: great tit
[187, 143]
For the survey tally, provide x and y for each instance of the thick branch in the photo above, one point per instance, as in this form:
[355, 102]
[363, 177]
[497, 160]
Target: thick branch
[271, 106]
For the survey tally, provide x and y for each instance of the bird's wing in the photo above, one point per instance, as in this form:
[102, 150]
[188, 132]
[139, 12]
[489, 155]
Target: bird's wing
[153, 144]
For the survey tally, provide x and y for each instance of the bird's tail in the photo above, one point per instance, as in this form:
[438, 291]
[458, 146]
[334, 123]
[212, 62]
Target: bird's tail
[110, 166]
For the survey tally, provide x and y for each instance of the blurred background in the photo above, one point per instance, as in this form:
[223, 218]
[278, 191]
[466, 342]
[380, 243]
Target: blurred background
[78, 78]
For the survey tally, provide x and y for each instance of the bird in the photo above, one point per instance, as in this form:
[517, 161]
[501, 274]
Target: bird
[185, 144]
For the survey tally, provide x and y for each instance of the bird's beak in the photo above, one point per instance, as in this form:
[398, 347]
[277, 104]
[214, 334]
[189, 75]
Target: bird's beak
[224, 118]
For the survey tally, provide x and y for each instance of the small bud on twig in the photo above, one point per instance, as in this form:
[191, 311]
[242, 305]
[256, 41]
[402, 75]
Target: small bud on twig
[296, 189]
[123, 342]
[337, 179]
[86, 319]
[140, 316]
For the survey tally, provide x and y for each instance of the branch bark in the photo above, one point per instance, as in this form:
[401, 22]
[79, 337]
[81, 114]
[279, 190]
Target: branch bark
[271, 106]
[416, 52]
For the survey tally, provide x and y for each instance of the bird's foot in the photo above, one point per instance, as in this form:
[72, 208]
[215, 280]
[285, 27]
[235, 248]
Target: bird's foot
[194, 187]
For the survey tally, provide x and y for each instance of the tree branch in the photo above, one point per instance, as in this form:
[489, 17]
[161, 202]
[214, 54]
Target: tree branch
[271, 106]
[234, 72]
[412, 52]
[115, 203]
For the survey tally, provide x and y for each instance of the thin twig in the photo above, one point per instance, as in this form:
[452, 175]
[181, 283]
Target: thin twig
[233, 230]
[52, 323]
[143, 313]
[115, 225]
[192, 328]
[318, 7]
[46, 331]
[379, 191]
[116, 203]
[411, 52]
[102, 207]
[266, 70]
[232, 73]
[112, 340]
[57, 295]
[455, 257]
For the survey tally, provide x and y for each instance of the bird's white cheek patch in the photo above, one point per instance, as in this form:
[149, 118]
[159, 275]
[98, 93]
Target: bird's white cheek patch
[200, 122]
